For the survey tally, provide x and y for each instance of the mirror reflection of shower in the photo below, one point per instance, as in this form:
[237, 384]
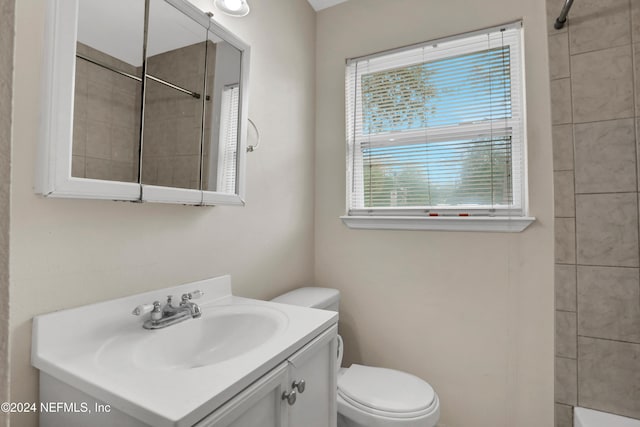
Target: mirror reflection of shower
[189, 79]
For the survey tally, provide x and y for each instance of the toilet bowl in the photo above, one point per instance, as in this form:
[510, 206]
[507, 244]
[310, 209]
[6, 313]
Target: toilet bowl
[369, 396]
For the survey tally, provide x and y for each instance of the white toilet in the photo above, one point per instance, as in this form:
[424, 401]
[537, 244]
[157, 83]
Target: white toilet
[367, 396]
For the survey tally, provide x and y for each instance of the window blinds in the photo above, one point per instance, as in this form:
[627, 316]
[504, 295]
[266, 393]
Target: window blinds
[438, 127]
[228, 139]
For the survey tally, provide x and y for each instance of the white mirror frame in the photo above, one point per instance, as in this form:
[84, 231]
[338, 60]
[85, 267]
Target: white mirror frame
[53, 171]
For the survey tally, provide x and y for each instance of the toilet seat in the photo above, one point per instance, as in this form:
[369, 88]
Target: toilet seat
[385, 392]
[389, 415]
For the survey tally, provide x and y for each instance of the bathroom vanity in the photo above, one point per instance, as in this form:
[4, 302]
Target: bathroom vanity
[243, 362]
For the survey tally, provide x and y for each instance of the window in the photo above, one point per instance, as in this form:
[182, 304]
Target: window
[436, 135]
[228, 142]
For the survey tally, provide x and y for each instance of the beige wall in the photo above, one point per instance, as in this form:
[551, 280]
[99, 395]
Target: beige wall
[7, 8]
[595, 120]
[66, 253]
[470, 312]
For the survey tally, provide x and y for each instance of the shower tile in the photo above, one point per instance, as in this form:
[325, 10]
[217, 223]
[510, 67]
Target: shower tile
[636, 66]
[98, 168]
[561, 101]
[566, 334]
[638, 147]
[77, 166]
[98, 143]
[564, 195]
[609, 303]
[565, 240]
[635, 21]
[599, 24]
[98, 102]
[605, 157]
[609, 376]
[165, 171]
[602, 85]
[188, 137]
[124, 108]
[152, 141]
[564, 415]
[559, 56]
[607, 229]
[565, 284]
[79, 135]
[186, 169]
[150, 170]
[80, 100]
[563, 147]
[566, 374]
[6, 46]
[124, 143]
[122, 171]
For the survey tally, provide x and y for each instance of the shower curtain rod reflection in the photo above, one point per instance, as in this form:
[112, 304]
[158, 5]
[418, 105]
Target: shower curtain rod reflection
[563, 15]
[139, 79]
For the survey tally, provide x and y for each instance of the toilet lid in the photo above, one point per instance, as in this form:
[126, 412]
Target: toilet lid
[385, 389]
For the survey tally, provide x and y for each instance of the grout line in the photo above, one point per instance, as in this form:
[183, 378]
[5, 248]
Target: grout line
[633, 117]
[560, 78]
[608, 192]
[599, 265]
[564, 357]
[604, 48]
[609, 339]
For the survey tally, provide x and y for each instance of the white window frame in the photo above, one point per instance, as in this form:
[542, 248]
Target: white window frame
[512, 218]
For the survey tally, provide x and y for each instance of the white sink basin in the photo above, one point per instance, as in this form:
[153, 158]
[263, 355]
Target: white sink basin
[171, 377]
[222, 333]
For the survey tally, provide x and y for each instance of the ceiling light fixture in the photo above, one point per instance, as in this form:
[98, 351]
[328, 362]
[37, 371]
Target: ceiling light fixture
[235, 8]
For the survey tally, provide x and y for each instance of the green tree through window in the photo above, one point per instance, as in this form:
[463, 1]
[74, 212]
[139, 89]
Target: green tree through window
[425, 96]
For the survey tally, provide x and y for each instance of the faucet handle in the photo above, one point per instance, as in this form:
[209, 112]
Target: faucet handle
[192, 295]
[145, 308]
[196, 294]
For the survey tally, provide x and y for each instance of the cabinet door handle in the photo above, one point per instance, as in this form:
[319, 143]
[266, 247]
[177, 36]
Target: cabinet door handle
[300, 385]
[289, 396]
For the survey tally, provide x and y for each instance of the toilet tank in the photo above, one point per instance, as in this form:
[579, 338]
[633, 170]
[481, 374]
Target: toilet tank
[314, 297]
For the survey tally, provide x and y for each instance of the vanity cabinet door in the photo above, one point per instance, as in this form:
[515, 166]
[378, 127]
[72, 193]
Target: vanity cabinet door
[315, 364]
[264, 403]
[260, 405]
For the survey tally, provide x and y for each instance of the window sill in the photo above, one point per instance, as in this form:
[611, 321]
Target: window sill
[471, 223]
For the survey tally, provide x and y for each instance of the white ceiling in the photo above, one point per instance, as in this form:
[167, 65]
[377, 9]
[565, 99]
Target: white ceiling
[168, 28]
[323, 4]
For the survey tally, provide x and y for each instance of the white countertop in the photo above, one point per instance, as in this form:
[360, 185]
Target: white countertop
[69, 345]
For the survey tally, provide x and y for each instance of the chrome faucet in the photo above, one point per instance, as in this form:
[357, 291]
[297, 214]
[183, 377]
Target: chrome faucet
[167, 315]
[194, 308]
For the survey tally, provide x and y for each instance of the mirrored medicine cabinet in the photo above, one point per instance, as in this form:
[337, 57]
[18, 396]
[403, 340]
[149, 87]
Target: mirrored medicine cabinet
[144, 100]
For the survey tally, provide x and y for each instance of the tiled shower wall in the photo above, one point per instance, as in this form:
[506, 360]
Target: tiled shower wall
[106, 121]
[6, 78]
[173, 120]
[595, 92]
[107, 118]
